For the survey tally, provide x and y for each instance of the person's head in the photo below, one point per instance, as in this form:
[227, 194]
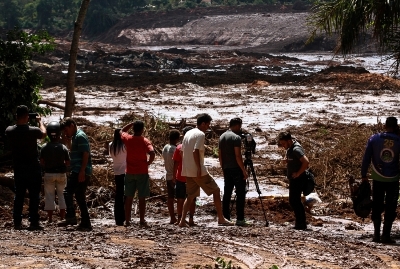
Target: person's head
[391, 124]
[68, 126]
[22, 114]
[285, 140]
[117, 145]
[53, 131]
[235, 124]
[186, 129]
[203, 122]
[138, 127]
[174, 136]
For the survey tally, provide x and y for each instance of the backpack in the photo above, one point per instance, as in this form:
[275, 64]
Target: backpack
[361, 197]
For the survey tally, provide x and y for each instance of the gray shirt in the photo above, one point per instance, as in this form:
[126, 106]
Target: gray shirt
[227, 143]
[293, 156]
[167, 153]
[54, 156]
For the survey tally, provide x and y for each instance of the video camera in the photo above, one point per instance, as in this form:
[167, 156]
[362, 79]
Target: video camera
[249, 145]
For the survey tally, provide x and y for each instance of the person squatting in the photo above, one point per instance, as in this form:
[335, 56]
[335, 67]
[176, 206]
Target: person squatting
[67, 172]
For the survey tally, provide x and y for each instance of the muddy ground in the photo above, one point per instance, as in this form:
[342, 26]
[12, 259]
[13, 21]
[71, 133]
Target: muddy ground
[331, 104]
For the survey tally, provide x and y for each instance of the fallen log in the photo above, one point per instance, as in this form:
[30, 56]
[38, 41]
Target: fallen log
[44, 102]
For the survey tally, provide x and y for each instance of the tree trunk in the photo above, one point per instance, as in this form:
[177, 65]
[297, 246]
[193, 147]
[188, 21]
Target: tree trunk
[70, 95]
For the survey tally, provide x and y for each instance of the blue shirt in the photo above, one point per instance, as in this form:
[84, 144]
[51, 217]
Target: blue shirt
[80, 144]
[383, 150]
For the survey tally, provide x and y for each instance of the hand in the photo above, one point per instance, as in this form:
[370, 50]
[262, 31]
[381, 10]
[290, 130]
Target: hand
[295, 175]
[284, 161]
[174, 181]
[81, 176]
[365, 179]
[38, 118]
[245, 175]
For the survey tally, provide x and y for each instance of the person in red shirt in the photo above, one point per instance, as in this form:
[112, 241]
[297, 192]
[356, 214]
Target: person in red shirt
[180, 182]
[137, 173]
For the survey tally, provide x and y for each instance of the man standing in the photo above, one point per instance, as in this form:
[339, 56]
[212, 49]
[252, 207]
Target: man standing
[383, 150]
[235, 175]
[78, 180]
[196, 173]
[27, 173]
[297, 164]
[137, 172]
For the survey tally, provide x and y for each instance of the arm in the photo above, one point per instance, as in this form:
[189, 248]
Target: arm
[220, 157]
[239, 160]
[304, 165]
[85, 160]
[196, 156]
[42, 127]
[366, 161]
[176, 164]
[126, 128]
[151, 159]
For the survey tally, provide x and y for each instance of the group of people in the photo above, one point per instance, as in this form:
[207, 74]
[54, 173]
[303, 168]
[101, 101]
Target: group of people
[185, 172]
[55, 160]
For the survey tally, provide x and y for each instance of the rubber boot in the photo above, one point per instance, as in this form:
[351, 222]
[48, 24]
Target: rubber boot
[387, 227]
[377, 231]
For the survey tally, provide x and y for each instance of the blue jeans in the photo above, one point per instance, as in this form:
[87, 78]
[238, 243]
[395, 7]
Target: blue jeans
[233, 177]
[74, 187]
[27, 178]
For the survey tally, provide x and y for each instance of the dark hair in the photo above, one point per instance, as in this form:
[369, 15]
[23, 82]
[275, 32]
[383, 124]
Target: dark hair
[285, 136]
[66, 122]
[203, 118]
[235, 121]
[138, 126]
[186, 129]
[174, 135]
[391, 122]
[22, 110]
[117, 145]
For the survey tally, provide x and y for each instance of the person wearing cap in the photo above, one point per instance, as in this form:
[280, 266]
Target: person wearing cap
[180, 182]
[79, 177]
[22, 140]
[235, 175]
[196, 173]
[297, 164]
[167, 154]
[54, 158]
[137, 169]
[383, 151]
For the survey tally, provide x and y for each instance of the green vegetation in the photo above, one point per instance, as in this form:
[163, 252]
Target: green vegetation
[353, 20]
[19, 84]
[59, 15]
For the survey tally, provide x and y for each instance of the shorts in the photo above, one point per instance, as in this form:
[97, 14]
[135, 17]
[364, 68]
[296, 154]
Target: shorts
[139, 182]
[170, 189]
[206, 183]
[180, 190]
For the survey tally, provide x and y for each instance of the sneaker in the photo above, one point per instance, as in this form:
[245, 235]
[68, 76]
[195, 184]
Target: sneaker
[387, 240]
[144, 224]
[18, 226]
[35, 227]
[226, 223]
[242, 223]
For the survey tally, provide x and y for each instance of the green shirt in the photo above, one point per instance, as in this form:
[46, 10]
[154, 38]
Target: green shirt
[80, 144]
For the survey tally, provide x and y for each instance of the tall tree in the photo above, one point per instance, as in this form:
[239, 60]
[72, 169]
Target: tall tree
[70, 94]
[352, 19]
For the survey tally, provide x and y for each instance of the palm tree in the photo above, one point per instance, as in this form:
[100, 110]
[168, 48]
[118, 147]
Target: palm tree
[352, 19]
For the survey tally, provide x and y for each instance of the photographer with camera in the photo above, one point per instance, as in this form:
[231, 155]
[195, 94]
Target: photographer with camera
[297, 164]
[235, 174]
[22, 139]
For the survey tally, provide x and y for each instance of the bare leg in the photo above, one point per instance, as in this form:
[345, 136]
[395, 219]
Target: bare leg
[179, 208]
[50, 215]
[191, 212]
[218, 206]
[142, 208]
[186, 206]
[170, 204]
[128, 210]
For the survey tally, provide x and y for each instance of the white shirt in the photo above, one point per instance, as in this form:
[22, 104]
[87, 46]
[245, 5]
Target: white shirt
[119, 160]
[194, 139]
[167, 153]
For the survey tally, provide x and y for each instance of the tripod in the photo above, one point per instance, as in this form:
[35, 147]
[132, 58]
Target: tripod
[248, 165]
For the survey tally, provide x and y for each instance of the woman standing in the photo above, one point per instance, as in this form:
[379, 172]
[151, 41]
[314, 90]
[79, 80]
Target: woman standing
[118, 154]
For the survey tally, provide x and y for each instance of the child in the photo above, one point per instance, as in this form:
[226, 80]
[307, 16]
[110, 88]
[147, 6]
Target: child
[181, 182]
[54, 158]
